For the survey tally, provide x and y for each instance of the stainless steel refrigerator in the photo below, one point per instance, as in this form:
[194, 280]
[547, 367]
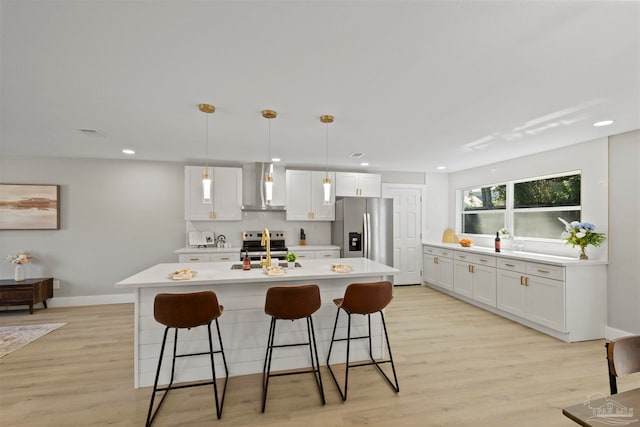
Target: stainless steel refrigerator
[364, 228]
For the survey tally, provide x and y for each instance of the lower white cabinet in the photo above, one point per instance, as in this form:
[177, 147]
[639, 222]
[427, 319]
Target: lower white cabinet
[194, 258]
[312, 254]
[567, 300]
[217, 256]
[437, 267]
[535, 298]
[475, 277]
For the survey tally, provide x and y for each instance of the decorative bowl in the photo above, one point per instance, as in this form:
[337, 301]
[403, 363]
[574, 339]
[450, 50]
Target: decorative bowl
[466, 243]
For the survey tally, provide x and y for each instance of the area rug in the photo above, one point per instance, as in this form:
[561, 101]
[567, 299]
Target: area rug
[15, 337]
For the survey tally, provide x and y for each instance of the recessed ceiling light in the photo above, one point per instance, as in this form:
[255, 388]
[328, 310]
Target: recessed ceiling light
[440, 168]
[128, 151]
[364, 164]
[275, 159]
[603, 123]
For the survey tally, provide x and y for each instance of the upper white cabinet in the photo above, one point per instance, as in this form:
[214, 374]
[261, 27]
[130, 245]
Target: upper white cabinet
[227, 194]
[305, 196]
[354, 184]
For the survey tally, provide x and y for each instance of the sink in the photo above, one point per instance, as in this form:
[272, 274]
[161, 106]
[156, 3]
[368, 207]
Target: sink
[256, 265]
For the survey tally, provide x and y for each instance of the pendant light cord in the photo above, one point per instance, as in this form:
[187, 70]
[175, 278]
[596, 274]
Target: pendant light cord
[206, 139]
[327, 150]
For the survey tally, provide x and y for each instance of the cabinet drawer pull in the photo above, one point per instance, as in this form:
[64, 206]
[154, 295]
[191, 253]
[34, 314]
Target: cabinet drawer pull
[194, 259]
[327, 255]
[543, 271]
[225, 258]
[509, 265]
[482, 260]
[462, 257]
[521, 280]
[445, 253]
[526, 281]
[435, 259]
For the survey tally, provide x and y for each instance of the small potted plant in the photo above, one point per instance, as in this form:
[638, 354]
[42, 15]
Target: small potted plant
[291, 259]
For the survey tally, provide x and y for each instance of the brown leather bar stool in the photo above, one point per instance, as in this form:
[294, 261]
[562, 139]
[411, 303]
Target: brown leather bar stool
[292, 303]
[366, 299]
[180, 311]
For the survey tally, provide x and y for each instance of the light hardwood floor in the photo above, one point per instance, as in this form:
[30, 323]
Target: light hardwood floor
[457, 366]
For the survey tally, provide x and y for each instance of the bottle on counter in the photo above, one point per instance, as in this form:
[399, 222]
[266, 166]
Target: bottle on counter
[246, 262]
[497, 242]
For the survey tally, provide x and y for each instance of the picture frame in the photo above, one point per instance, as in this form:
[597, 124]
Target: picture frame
[29, 207]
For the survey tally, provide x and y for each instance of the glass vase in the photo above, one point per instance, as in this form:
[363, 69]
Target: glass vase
[583, 253]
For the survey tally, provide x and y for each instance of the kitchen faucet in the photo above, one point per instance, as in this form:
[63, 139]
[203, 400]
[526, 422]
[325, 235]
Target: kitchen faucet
[266, 240]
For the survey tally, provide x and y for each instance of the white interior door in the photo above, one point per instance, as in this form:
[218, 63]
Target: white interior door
[407, 226]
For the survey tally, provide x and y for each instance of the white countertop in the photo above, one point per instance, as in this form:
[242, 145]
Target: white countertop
[525, 256]
[221, 273]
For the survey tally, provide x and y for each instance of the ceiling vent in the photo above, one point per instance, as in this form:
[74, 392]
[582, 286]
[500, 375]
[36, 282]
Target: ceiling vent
[356, 155]
[93, 133]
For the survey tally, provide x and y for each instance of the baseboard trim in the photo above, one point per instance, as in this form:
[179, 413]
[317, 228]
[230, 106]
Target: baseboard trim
[90, 300]
[613, 333]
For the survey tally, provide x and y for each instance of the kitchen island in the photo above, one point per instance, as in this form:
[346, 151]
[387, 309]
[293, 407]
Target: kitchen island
[244, 325]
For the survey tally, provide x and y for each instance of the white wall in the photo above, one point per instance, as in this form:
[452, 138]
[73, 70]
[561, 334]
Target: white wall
[590, 157]
[623, 296]
[117, 218]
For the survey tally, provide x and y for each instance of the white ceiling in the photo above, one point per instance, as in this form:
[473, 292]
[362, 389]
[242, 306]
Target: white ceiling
[414, 85]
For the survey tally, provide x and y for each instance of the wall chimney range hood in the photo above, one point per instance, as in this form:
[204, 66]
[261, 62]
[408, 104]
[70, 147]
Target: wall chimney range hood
[254, 198]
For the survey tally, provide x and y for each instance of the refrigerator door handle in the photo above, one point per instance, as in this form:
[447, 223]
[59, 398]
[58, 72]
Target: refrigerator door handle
[368, 234]
[365, 237]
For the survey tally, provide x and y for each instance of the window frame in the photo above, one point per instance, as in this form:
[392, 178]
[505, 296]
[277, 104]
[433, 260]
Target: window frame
[509, 211]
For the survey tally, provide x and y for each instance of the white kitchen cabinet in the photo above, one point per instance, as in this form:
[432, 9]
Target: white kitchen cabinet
[565, 299]
[534, 291]
[475, 277]
[354, 184]
[438, 267]
[209, 255]
[194, 258]
[305, 196]
[226, 199]
[303, 254]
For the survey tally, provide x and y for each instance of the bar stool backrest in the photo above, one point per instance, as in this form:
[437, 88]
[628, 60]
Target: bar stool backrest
[186, 310]
[367, 298]
[624, 356]
[292, 302]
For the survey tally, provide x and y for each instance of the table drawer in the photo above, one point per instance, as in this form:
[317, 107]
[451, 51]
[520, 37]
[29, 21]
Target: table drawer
[16, 295]
[545, 270]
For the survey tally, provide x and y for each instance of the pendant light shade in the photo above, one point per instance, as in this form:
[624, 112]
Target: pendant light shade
[326, 182]
[206, 176]
[268, 178]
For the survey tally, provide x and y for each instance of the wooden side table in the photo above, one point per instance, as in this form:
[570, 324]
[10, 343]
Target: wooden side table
[27, 292]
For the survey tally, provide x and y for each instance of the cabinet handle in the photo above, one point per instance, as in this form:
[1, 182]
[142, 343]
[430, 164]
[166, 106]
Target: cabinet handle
[301, 256]
[526, 281]
[225, 258]
[509, 265]
[435, 259]
[473, 268]
[462, 257]
[215, 214]
[327, 255]
[210, 215]
[482, 260]
[521, 280]
[543, 271]
[445, 253]
[194, 259]
[469, 268]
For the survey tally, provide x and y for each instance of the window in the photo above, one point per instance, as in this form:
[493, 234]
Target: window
[528, 208]
[483, 209]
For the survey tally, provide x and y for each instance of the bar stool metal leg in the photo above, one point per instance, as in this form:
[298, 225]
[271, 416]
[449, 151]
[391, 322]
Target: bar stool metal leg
[394, 385]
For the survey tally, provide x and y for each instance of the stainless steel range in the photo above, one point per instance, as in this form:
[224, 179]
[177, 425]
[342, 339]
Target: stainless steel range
[251, 244]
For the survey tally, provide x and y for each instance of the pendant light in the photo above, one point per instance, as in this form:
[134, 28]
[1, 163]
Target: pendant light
[326, 182]
[206, 176]
[268, 177]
